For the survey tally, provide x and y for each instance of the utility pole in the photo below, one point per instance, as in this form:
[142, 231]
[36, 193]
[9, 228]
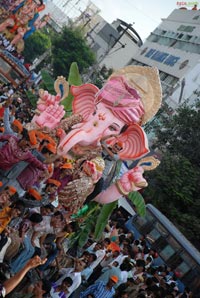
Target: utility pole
[118, 39]
[66, 3]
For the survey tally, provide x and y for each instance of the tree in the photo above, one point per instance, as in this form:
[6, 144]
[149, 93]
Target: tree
[36, 45]
[179, 133]
[174, 186]
[68, 47]
[100, 75]
[47, 82]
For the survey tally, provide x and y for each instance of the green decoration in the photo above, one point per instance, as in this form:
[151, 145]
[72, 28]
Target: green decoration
[137, 199]
[81, 212]
[86, 210]
[86, 231]
[73, 79]
[102, 219]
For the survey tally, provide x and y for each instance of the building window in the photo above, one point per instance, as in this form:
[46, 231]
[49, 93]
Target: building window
[153, 38]
[188, 47]
[180, 36]
[187, 37]
[159, 56]
[186, 28]
[163, 75]
[162, 57]
[159, 31]
[150, 53]
[171, 60]
[171, 34]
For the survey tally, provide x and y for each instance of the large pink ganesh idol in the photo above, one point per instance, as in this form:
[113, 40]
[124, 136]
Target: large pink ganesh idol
[114, 115]
[129, 99]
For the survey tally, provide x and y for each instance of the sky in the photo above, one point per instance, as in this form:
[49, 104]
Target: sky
[145, 14]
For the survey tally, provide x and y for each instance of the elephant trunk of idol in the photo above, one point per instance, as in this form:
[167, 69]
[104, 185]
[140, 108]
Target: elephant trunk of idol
[72, 138]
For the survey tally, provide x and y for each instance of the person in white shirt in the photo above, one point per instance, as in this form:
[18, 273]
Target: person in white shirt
[109, 258]
[98, 249]
[74, 274]
[88, 270]
[62, 290]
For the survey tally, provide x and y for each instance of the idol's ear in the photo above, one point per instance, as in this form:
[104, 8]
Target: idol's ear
[84, 100]
[134, 143]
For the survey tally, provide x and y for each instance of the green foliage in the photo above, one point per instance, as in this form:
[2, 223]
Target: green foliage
[70, 46]
[86, 229]
[36, 45]
[137, 199]
[180, 133]
[87, 217]
[93, 220]
[174, 186]
[100, 75]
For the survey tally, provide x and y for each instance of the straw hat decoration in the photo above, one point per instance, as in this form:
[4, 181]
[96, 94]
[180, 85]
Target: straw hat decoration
[147, 82]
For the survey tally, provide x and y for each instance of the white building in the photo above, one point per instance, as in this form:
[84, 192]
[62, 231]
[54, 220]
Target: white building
[58, 18]
[174, 48]
[122, 44]
[114, 44]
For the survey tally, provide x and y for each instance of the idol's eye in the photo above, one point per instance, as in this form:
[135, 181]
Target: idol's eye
[114, 127]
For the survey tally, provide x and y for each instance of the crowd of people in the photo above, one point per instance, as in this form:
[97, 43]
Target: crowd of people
[35, 221]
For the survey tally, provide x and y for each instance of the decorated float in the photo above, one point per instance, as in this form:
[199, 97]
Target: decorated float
[104, 129]
[20, 20]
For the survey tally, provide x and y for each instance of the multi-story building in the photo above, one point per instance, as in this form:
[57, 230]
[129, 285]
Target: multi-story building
[174, 48]
[114, 43]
